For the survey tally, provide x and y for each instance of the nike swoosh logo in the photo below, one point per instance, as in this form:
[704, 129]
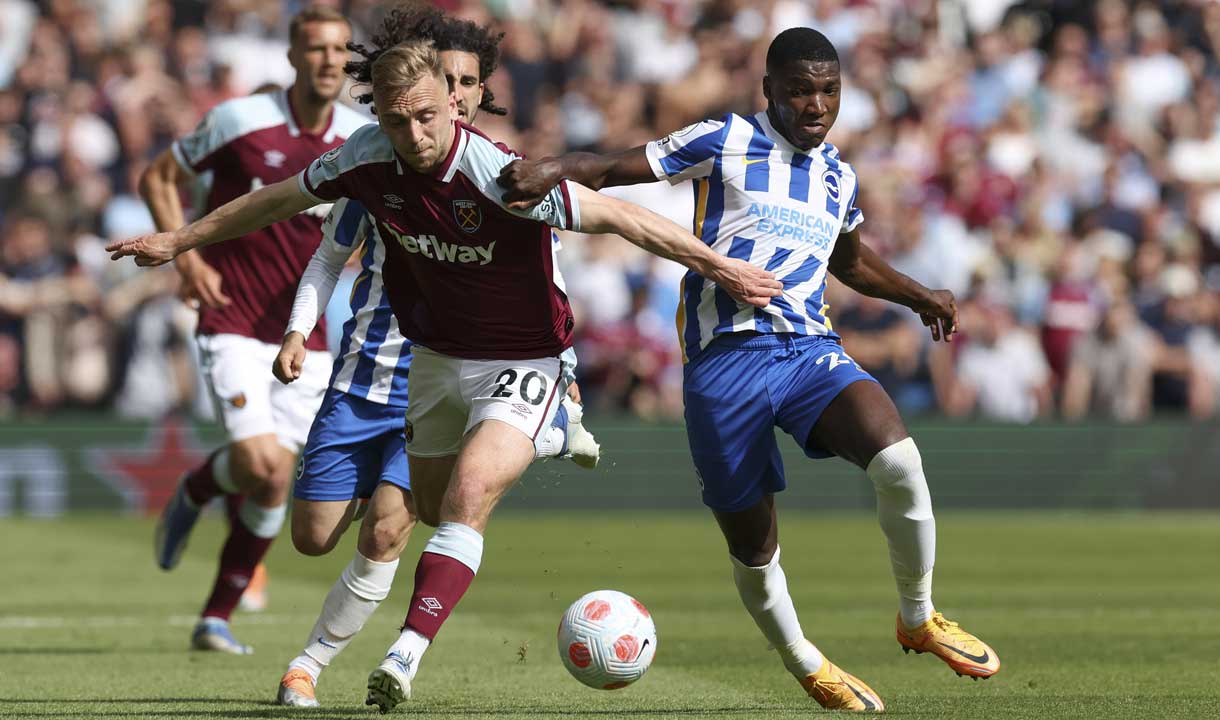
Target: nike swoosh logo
[326, 644]
[867, 703]
[756, 160]
[641, 652]
[976, 658]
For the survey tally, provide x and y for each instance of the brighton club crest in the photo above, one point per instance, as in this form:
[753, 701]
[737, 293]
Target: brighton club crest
[468, 215]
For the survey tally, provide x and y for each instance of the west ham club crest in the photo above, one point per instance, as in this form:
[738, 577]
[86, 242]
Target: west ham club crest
[468, 215]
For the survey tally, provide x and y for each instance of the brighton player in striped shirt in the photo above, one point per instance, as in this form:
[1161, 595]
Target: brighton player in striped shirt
[355, 449]
[770, 190]
[471, 283]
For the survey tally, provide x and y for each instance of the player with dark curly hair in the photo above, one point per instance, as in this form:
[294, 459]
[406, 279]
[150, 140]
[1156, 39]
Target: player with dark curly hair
[470, 53]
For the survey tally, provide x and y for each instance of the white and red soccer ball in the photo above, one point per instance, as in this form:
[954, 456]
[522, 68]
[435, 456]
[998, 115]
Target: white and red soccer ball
[607, 639]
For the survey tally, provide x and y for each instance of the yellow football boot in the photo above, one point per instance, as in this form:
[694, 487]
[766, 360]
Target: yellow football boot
[963, 652]
[835, 689]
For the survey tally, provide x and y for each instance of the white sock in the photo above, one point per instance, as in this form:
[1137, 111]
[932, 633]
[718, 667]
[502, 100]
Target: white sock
[904, 509]
[351, 602]
[411, 646]
[460, 542]
[262, 521]
[549, 443]
[764, 592]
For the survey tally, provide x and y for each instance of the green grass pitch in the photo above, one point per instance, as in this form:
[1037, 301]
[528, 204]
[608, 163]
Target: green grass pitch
[1094, 615]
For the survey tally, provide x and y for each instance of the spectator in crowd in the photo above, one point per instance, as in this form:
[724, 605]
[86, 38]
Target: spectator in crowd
[1000, 372]
[1110, 373]
[1057, 153]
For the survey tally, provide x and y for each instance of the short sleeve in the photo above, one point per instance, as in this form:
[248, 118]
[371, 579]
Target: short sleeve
[346, 224]
[854, 215]
[197, 152]
[324, 179]
[482, 161]
[688, 153]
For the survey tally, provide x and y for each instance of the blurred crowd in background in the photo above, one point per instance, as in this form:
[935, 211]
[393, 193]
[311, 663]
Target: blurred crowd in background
[1055, 164]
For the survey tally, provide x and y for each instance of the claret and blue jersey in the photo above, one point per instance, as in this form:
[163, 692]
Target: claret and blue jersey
[760, 199]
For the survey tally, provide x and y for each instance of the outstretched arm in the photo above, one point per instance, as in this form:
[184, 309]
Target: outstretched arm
[603, 214]
[159, 185]
[245, 214]
[859, 268]
[528, 181]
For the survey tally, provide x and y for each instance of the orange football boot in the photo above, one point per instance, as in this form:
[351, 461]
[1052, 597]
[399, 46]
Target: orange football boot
[835, 689]
[945, 639]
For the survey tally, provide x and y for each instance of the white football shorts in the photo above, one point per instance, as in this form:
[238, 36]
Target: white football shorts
[248, 398]
[450, 396]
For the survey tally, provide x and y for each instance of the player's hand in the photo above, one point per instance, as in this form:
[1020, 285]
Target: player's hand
[527, 182]
[939, 313]
[574, 393]
[148, 250]
[745, 282]
[291, 358]
[200, 283]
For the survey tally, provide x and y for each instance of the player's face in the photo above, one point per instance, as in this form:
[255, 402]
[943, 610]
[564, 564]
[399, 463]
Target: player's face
[419, 121]
[318, 53]
[462, 72]
[804, 97]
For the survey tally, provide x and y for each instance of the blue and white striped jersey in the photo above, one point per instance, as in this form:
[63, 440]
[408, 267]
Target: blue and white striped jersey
[760, 199]
[373, 357]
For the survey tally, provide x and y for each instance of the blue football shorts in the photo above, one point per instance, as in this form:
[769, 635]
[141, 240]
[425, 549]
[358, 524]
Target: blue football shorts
[738, 389]
[353, 445]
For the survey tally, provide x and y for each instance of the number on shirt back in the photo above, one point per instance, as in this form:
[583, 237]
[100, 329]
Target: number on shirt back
[532, 388]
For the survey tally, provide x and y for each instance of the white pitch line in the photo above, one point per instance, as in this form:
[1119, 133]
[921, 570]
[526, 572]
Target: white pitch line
[46, 622]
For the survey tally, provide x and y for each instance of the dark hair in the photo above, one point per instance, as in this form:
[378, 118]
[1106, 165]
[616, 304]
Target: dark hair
[415, 22]
[800, 43]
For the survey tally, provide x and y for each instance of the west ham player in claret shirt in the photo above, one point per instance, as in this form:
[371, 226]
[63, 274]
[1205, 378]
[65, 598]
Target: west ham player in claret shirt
[245, 293]
[471, 283]
[355, 451]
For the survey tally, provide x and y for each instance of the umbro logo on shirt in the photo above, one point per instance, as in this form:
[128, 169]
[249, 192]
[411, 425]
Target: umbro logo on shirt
[274, 158]
[393, 201]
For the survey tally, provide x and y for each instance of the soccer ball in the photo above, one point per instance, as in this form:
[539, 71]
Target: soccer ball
[607, 639]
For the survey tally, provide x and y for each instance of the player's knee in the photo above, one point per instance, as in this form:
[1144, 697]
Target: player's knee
[387, 536]
[312, 541]
[898, 466]
[262, 467]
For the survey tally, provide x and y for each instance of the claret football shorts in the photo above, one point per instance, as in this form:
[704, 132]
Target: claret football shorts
[451, 395]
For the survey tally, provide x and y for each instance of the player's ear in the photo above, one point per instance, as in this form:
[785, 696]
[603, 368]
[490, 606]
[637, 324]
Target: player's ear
[482, 87]
[766, 83]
